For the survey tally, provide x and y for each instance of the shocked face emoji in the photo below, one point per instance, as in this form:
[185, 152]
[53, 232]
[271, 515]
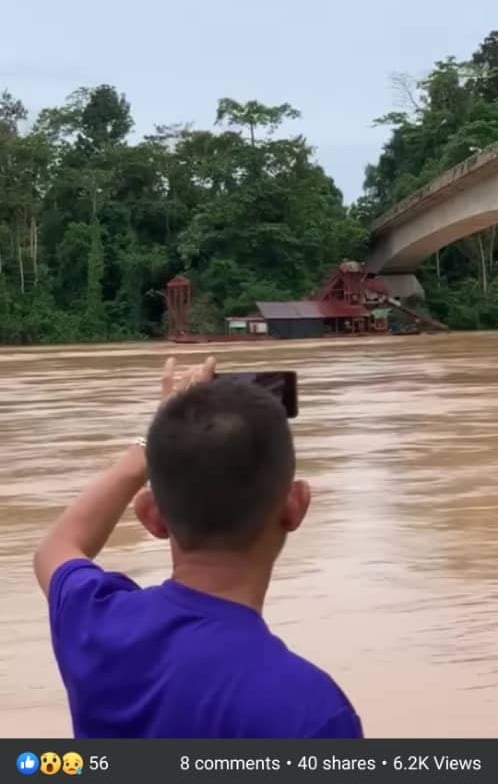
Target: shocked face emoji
[72, 764]
[50, 763]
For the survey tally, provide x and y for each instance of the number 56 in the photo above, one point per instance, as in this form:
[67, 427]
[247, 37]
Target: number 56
[98, 763]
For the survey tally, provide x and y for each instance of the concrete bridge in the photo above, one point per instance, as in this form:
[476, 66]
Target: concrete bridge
[460, 202]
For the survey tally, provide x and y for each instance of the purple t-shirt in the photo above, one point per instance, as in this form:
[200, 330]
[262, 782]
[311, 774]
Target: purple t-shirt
[171, 662]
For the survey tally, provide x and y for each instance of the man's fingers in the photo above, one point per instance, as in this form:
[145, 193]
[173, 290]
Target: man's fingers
[196, 376]
[208, 369]
[204, 373]
[193, 375]
[187, 379]
[168, 377]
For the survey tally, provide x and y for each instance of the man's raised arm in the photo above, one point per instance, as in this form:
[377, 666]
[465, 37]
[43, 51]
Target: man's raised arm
[85, 526]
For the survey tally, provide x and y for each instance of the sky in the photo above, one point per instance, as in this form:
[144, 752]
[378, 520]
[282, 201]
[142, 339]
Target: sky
[331, 59]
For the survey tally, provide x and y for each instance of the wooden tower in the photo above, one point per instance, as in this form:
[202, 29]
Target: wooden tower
[178, 299]
[345, 284]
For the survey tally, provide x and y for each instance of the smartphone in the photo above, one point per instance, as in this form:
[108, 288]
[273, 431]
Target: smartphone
[281, 383]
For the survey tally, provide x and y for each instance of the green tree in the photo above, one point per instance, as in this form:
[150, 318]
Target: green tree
[98, 224]
[94, 303]
[451, 115]
[485, 59]
[253, 115]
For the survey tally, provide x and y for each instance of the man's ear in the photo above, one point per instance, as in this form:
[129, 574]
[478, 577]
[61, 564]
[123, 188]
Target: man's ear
[296, 506]
[149, 515]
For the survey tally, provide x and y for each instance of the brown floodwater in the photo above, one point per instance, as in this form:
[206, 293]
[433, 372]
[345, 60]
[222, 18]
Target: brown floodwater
[391, 584]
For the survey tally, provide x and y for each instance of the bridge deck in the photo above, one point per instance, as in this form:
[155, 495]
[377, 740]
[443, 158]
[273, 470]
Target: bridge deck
[458, 178]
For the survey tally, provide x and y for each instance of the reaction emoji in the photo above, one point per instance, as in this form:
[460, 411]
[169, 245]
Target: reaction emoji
[72, 764]
[50, 763]
[27, 763]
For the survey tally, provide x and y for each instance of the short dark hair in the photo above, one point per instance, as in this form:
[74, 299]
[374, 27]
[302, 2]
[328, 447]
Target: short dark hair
[220, 458]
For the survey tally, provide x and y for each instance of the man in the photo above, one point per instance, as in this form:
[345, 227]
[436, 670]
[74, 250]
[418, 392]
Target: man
[191, 658]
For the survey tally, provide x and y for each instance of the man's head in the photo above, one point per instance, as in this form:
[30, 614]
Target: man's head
[221, 466]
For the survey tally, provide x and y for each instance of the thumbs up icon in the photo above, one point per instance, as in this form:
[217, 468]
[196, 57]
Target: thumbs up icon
[27, 763]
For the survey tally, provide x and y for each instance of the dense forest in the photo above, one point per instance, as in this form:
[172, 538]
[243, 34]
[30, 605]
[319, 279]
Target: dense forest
[92, 226]
[447, 117]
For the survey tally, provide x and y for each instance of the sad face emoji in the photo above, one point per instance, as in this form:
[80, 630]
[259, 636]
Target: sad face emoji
[72, 764]
[50, 763]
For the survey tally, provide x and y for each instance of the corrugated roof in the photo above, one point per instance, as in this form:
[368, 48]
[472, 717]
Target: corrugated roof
[252, 317]
[178, 280]
[310, 310]
[290, 310]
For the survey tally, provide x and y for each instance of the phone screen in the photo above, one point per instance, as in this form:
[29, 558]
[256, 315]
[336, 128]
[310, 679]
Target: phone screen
[281, 383]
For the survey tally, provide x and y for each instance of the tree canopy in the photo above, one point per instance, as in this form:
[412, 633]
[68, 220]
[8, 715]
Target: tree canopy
[93, 226]
[442, 120]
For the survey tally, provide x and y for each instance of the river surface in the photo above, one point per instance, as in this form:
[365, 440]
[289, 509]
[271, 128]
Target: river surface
[391, 584]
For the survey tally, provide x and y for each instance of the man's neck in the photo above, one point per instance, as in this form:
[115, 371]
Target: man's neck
[225, 575]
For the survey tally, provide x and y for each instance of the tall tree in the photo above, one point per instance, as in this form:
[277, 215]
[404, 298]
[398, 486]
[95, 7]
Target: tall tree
[253, 115]
[486, 61]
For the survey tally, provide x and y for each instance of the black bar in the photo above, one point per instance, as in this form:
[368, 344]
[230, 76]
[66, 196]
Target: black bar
[206, 761]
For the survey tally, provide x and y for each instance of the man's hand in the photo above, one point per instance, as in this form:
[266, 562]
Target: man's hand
[194, 375]
[86, 524]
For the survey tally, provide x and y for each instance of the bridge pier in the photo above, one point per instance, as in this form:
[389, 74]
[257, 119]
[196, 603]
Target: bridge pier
[403, 286]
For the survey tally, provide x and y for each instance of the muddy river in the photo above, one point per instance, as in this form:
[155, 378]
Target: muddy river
[391, 585]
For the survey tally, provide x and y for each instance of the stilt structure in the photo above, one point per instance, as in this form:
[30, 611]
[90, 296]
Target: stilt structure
[178, 299]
